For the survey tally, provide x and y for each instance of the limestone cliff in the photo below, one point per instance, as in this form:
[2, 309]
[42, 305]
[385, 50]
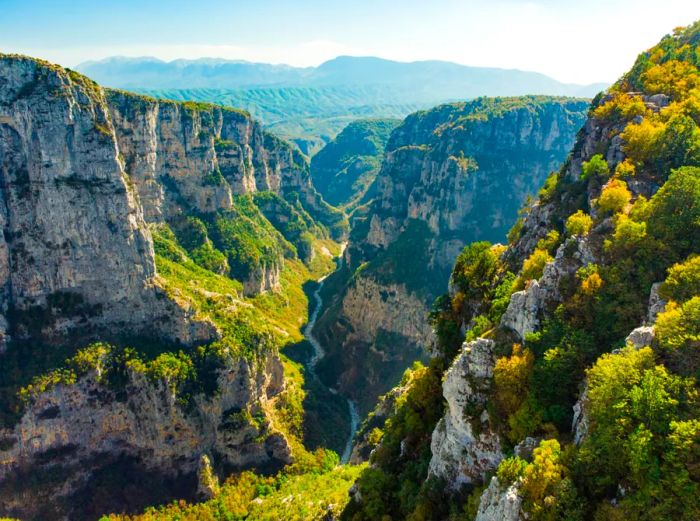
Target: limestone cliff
[464, 446]
[75, 255]
[451, 175]
[87, 178]
[80, 429]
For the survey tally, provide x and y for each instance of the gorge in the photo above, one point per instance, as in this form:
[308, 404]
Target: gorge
[489, 310]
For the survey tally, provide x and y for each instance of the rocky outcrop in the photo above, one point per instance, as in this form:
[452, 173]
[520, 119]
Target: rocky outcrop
[464, 447]
[76, 254]
[527, 307]
[96, 423]
[500, 503]
[387, 333]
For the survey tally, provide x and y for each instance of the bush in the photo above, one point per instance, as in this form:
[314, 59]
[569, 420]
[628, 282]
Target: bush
[683, 281]
[614, 197]
[597, 166]
[674, 214]
[679, 325]
[511, 377]
[510, 470]
[534, 264]
[579, 223]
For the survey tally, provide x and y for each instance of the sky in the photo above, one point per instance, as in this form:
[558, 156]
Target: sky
[576, 41]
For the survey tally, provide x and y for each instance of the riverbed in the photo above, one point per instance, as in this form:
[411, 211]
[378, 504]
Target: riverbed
[319, 353]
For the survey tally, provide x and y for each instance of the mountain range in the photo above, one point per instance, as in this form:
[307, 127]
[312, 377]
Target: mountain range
[310, 105]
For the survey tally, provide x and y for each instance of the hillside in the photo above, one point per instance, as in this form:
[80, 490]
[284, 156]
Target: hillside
[345, 168]
[452, 174]
[573, 394]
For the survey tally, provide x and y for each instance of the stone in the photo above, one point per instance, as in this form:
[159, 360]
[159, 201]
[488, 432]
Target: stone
[525, 448]
[522, 313]
[656, 303]
[640, 337]
[499, 503]
[463, 446]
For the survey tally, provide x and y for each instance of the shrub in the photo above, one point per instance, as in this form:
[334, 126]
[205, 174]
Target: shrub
[597, 166]
[542, 477]
[510, 470]
[511, 376]
[679, 325]
[625, 169]
[534, 264]
[549, 242]
[579, 223]
[683, 281]
[614, 197]
[674, 213]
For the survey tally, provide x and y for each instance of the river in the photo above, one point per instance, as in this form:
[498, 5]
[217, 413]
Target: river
[318, 354]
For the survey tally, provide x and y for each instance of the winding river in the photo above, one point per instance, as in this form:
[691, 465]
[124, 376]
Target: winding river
[318, 354]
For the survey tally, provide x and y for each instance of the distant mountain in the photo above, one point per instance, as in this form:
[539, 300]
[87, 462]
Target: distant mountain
[415, 81]
[310, 105]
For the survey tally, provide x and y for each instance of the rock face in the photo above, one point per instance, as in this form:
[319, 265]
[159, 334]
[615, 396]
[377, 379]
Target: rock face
[145, 420]
[499, 503]
[526, 308]
[451, 175]
[84, 173]
[95, 424]
[463, 446]
[75, 255]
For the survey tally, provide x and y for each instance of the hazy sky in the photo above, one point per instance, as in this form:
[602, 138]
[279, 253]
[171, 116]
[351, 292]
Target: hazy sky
[582, 41]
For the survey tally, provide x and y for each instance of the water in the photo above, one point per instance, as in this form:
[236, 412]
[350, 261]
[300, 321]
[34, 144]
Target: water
[318, 354]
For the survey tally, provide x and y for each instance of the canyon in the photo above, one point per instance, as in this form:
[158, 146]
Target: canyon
[487, 310]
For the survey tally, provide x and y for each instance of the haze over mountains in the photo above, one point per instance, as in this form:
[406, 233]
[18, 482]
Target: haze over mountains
[311, 105]
[417, 81]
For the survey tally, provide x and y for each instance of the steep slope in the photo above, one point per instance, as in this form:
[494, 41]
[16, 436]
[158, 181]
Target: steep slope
[575, 349]
[452, 174]
[345, 168]
[182, 235]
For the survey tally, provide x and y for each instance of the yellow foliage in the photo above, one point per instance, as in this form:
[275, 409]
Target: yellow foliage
[534, 264]
[641, 139]
[591, 284]
[511, 377]
[542, 476]
[622, 105]
[579, 223]
[625, 169]
[673, 77]
[614, 197]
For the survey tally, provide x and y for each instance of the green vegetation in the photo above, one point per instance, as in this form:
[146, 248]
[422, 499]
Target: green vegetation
[345, 168]
[311, 490]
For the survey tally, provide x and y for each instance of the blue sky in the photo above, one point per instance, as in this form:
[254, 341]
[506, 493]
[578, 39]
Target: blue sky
[580, 41]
